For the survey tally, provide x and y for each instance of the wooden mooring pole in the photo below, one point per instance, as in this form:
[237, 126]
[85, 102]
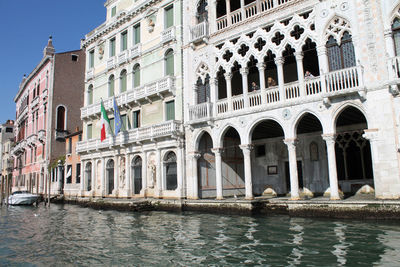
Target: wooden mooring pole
[1, 190]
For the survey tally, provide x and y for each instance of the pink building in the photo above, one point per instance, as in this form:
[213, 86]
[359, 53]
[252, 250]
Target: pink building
[47, 109]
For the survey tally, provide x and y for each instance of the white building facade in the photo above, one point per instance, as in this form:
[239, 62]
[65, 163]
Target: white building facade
[135, 56]
[291, 95]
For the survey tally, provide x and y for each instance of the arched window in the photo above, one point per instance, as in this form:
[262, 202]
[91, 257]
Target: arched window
[396, 36]
[88, 174]
[136, 76]
[341, 56]
[170, 170]
[110, 176]
[202, 14]
[122, 79]
[61, 118]
[111, 85]
[169, 62]
[137, 175]
[90, 95]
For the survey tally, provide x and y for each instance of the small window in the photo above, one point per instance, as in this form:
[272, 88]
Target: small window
[69, 174]
[126, 124]
[123, 81]
[124, 41]
[8, 130]
[169, 17]
[170, 110]
[113, 11]
[136, 35]
[89, 131]
[91, 59]
[136, 119]
[69, 145]
[74, 57]
[169, 63]
[112, 47]
[80, 137]
[260, 151]
[78, 173]
[90, 95]
[136, 76]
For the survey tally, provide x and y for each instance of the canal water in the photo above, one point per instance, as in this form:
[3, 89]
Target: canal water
[76, 236]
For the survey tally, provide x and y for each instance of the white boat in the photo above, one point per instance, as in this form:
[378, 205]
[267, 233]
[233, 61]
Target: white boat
[22, 198]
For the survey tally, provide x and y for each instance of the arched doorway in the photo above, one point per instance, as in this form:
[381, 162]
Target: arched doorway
[232, 164]
[312, 162]
[206, 168]
[353, 151]
[170, 171]
[110, 176]
[268, 158]
[88, 175]
[137, 174]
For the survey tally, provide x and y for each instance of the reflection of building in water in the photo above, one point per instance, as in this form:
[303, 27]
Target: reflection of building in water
[341, 248]
[334, 130]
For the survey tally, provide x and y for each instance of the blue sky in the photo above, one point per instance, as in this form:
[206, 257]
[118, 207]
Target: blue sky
[25, 26]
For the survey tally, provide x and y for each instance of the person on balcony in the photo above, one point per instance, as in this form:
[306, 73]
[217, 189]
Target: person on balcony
[271, 82]
[254, 87]
[308, 75]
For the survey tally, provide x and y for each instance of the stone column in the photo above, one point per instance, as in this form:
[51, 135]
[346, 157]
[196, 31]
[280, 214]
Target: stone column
[159, 185]
[389, 43]
[144, 174]
[103, 178]
[128, 175]
[294, 180]
[83, 177]
[243, 11]
[180, 165]
[244, 72]
[228, 12]
[281, 82]
[261, 73]
[247, 170]
[372, 136]
[333, 180]
[59, 177]
[228, 78]
[300, 72]
[116, 175]
[212, 13]
[194, 156]
[323, 59]
[213, 95]
[195, 94]
[218, 171]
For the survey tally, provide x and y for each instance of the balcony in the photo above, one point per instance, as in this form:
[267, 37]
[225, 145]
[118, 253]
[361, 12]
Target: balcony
[122, 57]
[168, 35]
[60, 134]
[21, 116]
[9, 165]
[250, 10]
[111, 63]
[31, 140]
[199, 33]
[90, 74]
[136, 51]
[322, 88]
[394, 74]
[167, 129]
[19, 148]
[42, 136]
[35, 102]
[145, 93]
[44, 94]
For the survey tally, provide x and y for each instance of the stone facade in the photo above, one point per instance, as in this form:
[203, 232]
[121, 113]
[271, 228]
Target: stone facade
[135, 58]
[72, 166]
[47, 105]
[6, 145]
[322, 113]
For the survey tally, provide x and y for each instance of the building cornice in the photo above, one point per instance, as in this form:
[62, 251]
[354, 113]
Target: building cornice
[121, 19]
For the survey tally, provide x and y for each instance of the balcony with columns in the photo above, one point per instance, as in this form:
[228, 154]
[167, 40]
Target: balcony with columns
[135, 96]
[170, 129]
[394, 74]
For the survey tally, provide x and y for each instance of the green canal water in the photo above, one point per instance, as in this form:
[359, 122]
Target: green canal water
[68, 235]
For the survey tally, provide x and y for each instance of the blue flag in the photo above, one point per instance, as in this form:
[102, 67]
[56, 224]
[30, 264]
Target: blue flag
[117, 118]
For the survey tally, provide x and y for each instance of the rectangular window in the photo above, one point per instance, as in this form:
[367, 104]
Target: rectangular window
[124, 41]
[91, 59]
[170, 110]
[8, 130]
[126, 124]
[89, 133]
[136, 119]
[260, 151]
[69, 145]
[78, 173]
[113, 11]
[112, 47]
[136, 33]
[80, 137]
[112, 125]
[169, 17]
[69, 174]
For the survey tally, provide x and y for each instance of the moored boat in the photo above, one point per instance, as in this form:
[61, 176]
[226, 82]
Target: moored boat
[22, 198]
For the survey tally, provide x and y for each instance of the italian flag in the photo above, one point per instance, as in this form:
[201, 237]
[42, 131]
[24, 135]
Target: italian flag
[105, 123]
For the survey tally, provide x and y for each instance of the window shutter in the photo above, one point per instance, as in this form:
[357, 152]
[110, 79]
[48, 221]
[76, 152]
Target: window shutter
[170, 110]
[111, 87]
[137, 34]
[169, 64]
[136, 81]
[124, 41]
[123, 82]
[169, 20]
[89, 132]
[112, 48]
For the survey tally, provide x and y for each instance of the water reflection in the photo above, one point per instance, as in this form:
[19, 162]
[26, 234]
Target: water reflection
[72, 235]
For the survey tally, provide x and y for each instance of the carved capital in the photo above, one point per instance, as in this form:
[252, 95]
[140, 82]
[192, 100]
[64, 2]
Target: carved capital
[228, 76]
[330, 139]
[261, 66]
[217, 150]
[247, 148]
[299, 55]
[291, 143]
[194, 155]
[371, 134]
[279, 61]
[244, 71]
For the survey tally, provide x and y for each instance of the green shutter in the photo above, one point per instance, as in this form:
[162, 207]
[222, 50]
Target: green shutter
[169, 17]
[125, 122]
[124, 41]
[170, 110]
[137, 34]
[111, 87]
[112, 125]
[169, 63]
[112, 47]
[136, 77]
[89, 132]
[91, 59]
[136, 119]
[90, 96]
[123, 82]
[113, 11]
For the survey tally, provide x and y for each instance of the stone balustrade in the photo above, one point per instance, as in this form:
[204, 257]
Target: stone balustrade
[199, 32]
[162, 86]
[165, 129]
[136, 51]
[90, 74]
[168, 35]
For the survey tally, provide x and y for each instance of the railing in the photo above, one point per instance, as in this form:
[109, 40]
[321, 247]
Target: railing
[164, 85]
[200, 111]
[90, 74]
[123, 57]
[168, 35]
[136, 51]
[249, 11]
[168, 128]
[35, 101]
[199, 31]
[334, 83]
[31, 140]
[110, 63]
[41, 135]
